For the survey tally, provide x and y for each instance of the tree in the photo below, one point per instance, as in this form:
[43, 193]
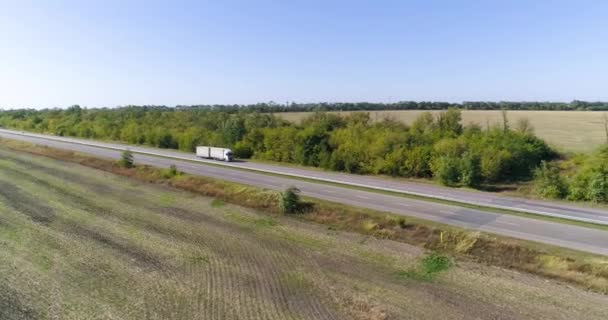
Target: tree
[449, 122]
[126, 159]
[470, 171]
[494, 163]
[597, 191]
[447, 170]
[233, 130]
[548, 183]
[242, 150]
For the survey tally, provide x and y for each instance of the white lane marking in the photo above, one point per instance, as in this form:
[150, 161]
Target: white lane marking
[329, 191]
[446, 212]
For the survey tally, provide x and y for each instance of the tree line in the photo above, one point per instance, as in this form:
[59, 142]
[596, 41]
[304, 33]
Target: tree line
[270, 107]
[434, 146]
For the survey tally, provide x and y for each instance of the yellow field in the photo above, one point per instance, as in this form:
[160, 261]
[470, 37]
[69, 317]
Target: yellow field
[567, 130]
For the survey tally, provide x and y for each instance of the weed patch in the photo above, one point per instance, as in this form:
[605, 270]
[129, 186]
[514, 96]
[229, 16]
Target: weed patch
[217, 203]
[429, 267]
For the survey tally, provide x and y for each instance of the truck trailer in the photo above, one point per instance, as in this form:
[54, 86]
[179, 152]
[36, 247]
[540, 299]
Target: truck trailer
[221, 154]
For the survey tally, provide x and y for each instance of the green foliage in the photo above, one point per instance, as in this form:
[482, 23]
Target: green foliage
[242, 150]
[597, 190]
[217, 203]
[430, 266]
[449, 122]
[447, 170]
[590, 180]
[435, 263]
[290, 200]
[434, 146]
[470, 170]
[548, 183]
[172, 172]
[126, 159]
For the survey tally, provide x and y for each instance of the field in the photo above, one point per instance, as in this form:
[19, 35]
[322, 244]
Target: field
[579, 131]
[79, 243]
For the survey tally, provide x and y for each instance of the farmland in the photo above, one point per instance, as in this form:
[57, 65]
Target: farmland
[81, 243]
[578, 131]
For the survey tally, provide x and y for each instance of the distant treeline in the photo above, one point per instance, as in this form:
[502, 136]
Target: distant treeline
[423, 105]
[436, 146]
[575, 105]
[270, 107]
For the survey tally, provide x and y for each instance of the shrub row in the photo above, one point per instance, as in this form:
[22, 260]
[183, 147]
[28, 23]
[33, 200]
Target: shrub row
[433, 146]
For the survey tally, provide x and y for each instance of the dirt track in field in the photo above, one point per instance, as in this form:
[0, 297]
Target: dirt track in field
[78, 243]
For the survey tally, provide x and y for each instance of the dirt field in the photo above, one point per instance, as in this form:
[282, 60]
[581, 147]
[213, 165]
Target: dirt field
[78, 243]
[579, 131]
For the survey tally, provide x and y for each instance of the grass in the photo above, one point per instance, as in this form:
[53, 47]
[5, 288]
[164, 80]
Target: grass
[587, 270]
[217, 203]
[429, 267]
[79, 243]
[173, 172]
[448, 202]
[560, 128]
[416, 197]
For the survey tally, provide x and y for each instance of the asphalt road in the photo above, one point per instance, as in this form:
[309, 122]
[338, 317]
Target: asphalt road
[565, 235]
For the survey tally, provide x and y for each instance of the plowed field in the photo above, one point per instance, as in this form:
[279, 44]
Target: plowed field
[77, 243]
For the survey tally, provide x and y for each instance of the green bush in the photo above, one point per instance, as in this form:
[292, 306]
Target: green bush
[548, 183]
[429, 267]
[171, 172]
[597, 190]
[435, 263]
[290, 200]
[126, 159]
[590, 180]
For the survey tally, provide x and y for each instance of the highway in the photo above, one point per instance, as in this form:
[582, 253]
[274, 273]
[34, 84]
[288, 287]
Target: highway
[565, 235]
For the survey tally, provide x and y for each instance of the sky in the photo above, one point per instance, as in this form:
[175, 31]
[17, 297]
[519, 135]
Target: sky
[111, 53]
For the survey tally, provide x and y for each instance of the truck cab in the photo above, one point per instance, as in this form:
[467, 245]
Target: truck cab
[228, 157]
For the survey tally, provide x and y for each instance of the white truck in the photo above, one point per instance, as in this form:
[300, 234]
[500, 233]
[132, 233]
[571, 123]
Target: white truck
[222, 154]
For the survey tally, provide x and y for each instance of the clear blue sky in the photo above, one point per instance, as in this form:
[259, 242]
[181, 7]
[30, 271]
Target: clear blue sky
[109, 53]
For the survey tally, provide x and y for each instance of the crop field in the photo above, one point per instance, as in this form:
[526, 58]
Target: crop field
[578, 131]
[78, 243]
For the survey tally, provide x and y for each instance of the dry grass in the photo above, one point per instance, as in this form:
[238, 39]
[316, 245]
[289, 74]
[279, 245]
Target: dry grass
[579, 131]
[582, 269]
[80, 243]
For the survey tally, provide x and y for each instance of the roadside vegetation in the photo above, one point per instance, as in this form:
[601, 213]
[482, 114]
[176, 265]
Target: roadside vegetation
[586, 270]
[432, 147]
[428, 268]
[126, 159]
[579, 178]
